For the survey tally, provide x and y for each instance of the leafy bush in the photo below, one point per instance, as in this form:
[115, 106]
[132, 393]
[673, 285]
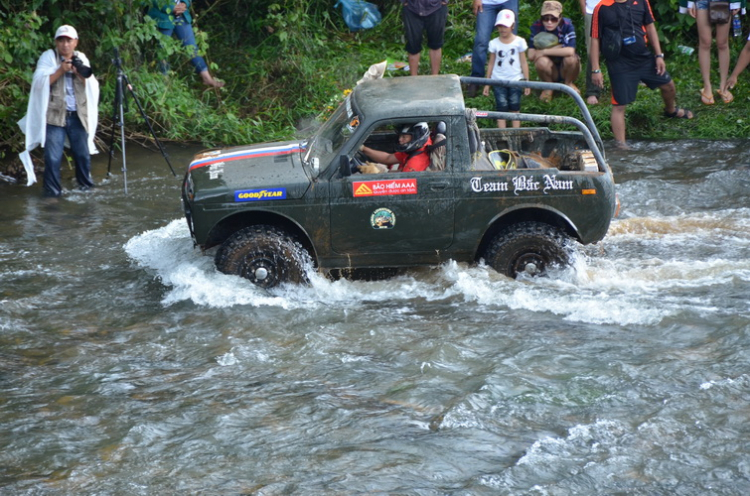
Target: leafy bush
[283, 62]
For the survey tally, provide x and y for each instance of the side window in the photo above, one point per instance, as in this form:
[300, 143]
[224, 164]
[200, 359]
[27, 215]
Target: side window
[404, 146]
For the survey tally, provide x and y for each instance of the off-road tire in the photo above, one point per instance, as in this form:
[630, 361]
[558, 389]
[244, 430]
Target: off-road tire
[531, 247]
[267, 248]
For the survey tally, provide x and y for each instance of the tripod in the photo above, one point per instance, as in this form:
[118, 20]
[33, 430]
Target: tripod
[118, 119]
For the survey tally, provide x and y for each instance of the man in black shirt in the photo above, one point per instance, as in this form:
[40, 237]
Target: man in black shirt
[622, 30]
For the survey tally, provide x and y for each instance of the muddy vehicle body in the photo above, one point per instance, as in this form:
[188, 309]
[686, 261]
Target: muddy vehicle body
[512, 197]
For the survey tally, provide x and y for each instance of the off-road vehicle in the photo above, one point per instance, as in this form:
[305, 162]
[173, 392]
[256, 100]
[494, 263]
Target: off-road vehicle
[515, 198]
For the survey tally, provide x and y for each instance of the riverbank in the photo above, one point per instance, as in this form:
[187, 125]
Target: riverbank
[645, 119]
[285, 70]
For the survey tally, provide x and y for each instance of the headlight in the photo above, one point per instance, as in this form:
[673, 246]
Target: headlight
[188, 187]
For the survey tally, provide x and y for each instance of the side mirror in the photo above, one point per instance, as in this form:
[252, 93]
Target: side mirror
[345, 167]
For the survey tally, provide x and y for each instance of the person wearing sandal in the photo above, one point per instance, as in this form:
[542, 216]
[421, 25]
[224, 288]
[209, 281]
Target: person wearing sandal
[699, 9]
[558, 63]
[619, 31]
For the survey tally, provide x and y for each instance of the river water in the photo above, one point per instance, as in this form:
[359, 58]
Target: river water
[128, 365]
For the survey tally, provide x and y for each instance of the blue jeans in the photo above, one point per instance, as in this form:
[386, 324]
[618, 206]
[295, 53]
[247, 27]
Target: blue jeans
[507, 99]
[485, 29]
[184, 32]
[53, 153]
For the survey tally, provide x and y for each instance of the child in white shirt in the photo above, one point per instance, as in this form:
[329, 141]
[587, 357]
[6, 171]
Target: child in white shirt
[507, 61]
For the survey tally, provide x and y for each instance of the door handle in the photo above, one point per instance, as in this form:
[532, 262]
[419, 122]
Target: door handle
[438, 186]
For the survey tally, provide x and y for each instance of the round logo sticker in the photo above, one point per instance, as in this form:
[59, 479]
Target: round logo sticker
[383, 218]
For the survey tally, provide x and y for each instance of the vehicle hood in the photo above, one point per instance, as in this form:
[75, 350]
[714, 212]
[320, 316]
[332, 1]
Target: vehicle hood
[268, 171]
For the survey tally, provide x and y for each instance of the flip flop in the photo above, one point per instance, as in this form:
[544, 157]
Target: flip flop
[686, 114]
[726, 96]
[706, 98]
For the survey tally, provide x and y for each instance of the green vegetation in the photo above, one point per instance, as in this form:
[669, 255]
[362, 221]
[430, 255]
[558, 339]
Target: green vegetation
[285, 61]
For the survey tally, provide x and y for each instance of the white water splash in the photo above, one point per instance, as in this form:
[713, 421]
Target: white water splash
[600, 290]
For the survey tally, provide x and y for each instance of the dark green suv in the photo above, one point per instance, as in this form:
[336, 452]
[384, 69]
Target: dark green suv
[513, 197]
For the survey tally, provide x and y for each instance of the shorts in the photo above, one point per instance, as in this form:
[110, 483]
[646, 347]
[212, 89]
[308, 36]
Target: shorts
[558, 62]
[433, 24]
[625, 79]
[507, 99]
[702, 4]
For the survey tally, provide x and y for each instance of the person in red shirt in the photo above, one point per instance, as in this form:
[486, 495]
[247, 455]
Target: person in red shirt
[411, 154]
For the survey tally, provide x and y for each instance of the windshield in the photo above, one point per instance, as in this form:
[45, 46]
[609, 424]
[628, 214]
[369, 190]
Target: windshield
[330, 138]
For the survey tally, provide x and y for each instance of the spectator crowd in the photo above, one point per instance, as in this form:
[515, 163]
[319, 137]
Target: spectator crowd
[621, 37]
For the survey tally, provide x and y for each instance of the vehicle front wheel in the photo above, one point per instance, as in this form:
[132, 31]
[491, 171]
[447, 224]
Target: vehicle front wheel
[530, 247]
[265, 255]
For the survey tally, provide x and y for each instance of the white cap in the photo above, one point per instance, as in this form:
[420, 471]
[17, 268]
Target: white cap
[67, 31]
[505, 18]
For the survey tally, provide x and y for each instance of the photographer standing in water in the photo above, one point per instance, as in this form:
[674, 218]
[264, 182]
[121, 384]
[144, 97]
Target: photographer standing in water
[63, 104]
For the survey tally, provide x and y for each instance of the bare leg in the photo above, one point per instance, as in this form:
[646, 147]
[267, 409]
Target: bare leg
[742, 63]
[413, 59]
[617, 121]
[516, 123]
[668, 94]
[208, 80]
[722, 45]
[546, 69]
[704, 49]
[571, 67]
[436, 57]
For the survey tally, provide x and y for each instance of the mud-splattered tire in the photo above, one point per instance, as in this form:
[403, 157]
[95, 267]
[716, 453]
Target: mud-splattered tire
[265, 255]
[531, 247]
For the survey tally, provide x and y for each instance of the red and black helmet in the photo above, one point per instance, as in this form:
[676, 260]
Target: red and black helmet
[420, 133]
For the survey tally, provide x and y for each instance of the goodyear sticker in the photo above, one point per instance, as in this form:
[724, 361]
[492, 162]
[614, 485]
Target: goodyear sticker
[384, 188]
[383, 218]
[260, 194]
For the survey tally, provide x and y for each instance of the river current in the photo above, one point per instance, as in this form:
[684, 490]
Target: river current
[129, 365]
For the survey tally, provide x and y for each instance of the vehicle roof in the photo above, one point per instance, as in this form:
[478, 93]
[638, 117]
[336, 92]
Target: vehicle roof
[409, 96]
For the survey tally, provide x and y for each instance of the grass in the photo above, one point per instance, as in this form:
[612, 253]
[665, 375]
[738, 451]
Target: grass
[284, 62]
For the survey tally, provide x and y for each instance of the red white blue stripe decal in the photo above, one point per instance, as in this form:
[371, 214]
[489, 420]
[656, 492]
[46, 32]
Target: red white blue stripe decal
[244, 154]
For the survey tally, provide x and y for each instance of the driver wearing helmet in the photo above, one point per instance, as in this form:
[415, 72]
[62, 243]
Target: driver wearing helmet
[411, 154]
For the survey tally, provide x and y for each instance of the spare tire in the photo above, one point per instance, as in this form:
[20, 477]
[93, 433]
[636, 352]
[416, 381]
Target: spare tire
[265, 255]
[531, 247]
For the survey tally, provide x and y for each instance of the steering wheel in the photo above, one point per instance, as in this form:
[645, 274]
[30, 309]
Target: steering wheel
[358, 159]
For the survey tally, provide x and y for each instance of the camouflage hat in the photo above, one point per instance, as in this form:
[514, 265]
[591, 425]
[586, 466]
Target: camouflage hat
[545, 39]
[552, 7]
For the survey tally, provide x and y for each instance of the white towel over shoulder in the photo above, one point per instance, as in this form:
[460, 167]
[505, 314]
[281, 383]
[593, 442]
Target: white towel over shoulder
[34, 123]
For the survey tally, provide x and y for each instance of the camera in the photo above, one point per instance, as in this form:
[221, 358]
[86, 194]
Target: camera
[84, 70]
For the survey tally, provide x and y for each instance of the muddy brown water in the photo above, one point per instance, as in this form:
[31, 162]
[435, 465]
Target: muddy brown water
[128, 365]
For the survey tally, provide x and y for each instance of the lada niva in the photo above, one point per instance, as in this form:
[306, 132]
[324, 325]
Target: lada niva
[515, 198]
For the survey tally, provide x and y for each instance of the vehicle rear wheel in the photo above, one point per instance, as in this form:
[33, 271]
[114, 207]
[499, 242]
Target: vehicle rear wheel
[265, 255]
[530, 247]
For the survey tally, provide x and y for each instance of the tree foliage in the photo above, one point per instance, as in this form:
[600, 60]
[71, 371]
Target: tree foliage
[283, 60]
